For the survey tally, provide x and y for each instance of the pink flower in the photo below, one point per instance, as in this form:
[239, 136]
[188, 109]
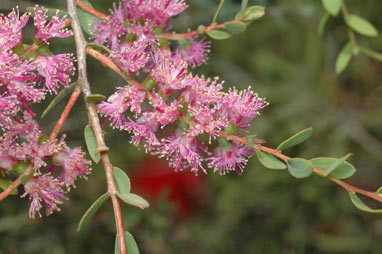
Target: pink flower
[143, 130]
[8, 146]
[131, 56]
[55, 70]
[112, 30]
[196, 53]
[73, 165]
[9, 106]
[229, 159]
[44, 188]
[11, 29]
[54, 29]
[182, 151]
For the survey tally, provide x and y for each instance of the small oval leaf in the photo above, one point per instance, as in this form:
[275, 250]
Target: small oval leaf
[332, 6]
[361, 25]
[336, 164]
[60, 96]
[300, 168]
[344, 57]
[343, 171]
[131, 245]
[357, 202]
[296, 139]
[253, 13]
[87, 20]
[134, 200]
[122, 181]
[371, 53]
[322, 25]
[95, 98]
[270, 161]
[91, 144]
[89, 214]
[379, 191]
[218, 34]
[235, 27]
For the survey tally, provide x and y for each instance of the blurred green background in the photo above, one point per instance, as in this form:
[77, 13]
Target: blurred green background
[282, 58]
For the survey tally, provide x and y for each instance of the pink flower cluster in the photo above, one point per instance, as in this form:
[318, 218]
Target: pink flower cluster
[178, 115]
[25, 78]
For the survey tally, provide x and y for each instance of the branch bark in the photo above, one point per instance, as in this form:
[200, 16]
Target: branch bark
[94, 121]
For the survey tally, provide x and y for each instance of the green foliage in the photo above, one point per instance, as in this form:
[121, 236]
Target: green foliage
[357, 202]
[341, 170]
[87, 20]
[344, 57]
[93, 209]
[59, 97]
[235, 27]
[300, 168]
[332, 6]
[270, 161]
[219, 34]
[361, 25]
[91, 144]
[134, 200]
[296, 139]
[95, 98]
[131, 245]
[5, 183]
[122, 181]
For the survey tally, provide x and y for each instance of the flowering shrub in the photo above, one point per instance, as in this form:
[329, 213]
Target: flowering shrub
[172, 113]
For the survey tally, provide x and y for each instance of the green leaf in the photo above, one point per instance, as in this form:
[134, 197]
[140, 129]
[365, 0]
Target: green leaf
[322, 25]
[5, 183]
[50, 13]
[244, 4]
[134, 200]
[235, 27]
[218, 34]
[296, 139]
[122, 181]
[357, 202]
[86, 19]
[131, 245]
[250, 140]
[371, 53]
[253, 13]
[361, 25]
[89, 214]
[91, 144]
[300, 168]
[60, 96]
[343, 171]
[100, 46]
[270, 161]
[95, 98]
[332, 6]
[379, 191]
[344, 57]
[337, 163]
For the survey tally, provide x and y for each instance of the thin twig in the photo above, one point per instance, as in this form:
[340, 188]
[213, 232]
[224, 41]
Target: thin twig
[345, 13]
[92, 11]
[65, 113]
[94, 121]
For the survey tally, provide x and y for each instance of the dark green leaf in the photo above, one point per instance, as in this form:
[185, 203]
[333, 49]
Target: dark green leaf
[100, 46]
[219, 34]
[343, 171]
[296, 139]
[344, 57]
[270, 161]
[361, 25]
[91, 144]
[134, 200]
[89, 214]
[336, 164]
[87, 20]
[332, 6]
[95, 98]
[235, 27]
[131, 245]
[357, 202]
[5, 183]
[371, 53]
[60, 96]
[253, 13]
[300, 168]
[322, 25]
[122, 181]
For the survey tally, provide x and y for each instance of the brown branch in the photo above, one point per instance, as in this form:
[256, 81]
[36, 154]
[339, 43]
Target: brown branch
[106, 61]
[175, 36]
[16, 182]
[65, 113]
[92, 11]
[94, 121]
